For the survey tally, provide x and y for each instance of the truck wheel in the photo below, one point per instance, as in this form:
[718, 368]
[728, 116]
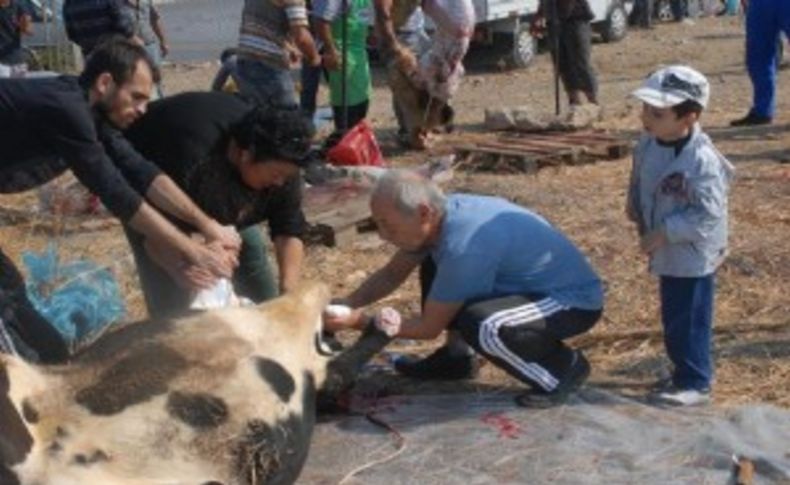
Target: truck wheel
[525, 47]
[616, 25]
[664, 11]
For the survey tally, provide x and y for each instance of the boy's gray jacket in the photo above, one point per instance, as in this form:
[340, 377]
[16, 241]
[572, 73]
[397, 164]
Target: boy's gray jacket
[686, 195]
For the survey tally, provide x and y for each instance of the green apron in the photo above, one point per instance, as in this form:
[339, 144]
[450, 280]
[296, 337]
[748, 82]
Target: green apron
[358, 89]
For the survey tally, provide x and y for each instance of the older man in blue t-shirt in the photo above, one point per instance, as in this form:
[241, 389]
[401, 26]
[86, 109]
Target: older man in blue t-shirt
[498, 276]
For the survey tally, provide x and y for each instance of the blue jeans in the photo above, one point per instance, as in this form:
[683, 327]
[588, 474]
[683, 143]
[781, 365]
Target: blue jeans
[155, 53]
[765, 19]
[267, 85]
[687, 317]
[680, 9]
[311, 79]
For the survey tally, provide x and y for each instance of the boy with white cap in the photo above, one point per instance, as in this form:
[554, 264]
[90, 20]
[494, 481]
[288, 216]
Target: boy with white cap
[678, 199]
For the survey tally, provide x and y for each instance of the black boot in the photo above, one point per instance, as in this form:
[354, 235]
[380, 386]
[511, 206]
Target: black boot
[752, 119]
[576, 375]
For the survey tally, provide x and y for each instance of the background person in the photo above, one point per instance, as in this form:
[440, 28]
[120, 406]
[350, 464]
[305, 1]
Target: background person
[274, 39]
[149, 28]
[15, 22]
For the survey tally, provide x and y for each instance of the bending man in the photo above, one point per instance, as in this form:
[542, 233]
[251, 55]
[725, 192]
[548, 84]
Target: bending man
[499, 275]
[54, 124]
[241, 165]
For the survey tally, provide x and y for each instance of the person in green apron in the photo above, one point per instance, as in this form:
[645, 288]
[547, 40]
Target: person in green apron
[329, 17]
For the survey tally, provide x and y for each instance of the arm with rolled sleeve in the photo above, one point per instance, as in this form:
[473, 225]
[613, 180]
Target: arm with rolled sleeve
[287, 225]
[299, 29]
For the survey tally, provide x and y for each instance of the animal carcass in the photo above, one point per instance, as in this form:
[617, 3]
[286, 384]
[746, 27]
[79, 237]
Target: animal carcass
[221, 397]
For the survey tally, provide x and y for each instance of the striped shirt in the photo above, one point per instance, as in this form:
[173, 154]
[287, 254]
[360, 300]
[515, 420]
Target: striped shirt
[89, 21]
[265, 25]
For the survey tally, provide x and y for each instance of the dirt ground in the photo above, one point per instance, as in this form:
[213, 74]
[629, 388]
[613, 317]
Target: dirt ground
[752, 342]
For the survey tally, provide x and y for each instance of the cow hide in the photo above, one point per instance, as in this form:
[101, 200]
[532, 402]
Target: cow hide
[220, 397]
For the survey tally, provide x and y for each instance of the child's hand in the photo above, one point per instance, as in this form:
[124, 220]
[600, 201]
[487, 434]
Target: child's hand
[653, 240]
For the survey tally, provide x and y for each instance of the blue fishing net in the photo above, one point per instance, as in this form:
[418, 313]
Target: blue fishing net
[78, 297]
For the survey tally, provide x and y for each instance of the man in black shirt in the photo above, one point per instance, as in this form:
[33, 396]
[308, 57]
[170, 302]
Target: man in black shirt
[240, 165]
[50, 125]
[89, 22]
[14, 21]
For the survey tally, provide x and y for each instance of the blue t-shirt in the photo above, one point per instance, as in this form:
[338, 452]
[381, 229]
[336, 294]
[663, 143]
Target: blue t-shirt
[489, 247]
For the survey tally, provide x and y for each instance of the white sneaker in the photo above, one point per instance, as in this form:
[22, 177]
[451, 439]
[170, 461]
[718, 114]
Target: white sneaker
[681, 397]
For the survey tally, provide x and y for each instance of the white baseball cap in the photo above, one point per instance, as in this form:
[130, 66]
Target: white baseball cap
[673, 85]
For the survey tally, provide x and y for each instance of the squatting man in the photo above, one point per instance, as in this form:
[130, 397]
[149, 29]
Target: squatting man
[493, 274]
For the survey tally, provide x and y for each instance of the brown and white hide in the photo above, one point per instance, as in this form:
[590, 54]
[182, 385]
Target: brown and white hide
[220, 397]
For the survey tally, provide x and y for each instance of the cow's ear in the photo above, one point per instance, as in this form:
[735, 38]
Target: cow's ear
[16, 441]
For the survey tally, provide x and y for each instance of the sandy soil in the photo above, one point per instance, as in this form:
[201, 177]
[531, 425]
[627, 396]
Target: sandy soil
[753, 331]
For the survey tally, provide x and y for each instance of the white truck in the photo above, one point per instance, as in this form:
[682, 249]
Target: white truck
[508, 21]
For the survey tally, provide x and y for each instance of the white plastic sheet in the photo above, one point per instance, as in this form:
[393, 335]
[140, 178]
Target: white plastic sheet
[599, 438]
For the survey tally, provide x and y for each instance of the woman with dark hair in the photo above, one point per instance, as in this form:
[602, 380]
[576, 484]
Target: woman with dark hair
[241, 164]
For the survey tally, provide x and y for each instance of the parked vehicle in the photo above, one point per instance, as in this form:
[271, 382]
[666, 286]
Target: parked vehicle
[508, 21]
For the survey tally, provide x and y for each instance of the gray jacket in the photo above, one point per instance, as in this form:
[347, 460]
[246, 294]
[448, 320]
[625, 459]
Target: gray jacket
[686, 196]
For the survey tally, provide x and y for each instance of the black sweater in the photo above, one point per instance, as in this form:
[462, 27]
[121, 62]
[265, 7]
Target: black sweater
[49, 121]
[187, 137]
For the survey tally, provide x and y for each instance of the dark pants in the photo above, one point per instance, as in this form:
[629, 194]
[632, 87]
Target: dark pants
[522, 334]
[680, 9]
[574, 65]
[164, 298]
[643, 15]
[765, 20]
[311, 80]
[267, 85]
[687, 316]
[24, 331]
[356, 113]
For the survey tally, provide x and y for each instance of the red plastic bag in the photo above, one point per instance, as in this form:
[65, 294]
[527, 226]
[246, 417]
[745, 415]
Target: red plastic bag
[357, 147]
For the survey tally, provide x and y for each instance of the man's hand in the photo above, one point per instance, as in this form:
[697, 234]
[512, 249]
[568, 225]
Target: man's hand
[212, 258]
[164, 49]
[332, 60]
[186, 275]
[537, 26]
[336, 318]
[227, 236]
[405, 60]
[653, 240]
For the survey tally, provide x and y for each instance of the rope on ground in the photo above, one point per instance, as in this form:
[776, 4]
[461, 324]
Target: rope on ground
[400, 446]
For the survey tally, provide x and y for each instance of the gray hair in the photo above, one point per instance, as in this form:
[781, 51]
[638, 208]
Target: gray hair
[407, 190]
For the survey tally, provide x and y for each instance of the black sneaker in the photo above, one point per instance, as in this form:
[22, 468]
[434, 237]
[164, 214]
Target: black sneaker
[440, 365]
[752, 119]
[540, 399]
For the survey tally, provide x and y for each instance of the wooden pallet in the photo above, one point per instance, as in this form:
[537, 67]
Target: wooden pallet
[338, 225]
[529, 152]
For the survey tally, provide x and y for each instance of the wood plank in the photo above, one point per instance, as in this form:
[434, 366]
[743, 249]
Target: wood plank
[339, 225]
[544, 145]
